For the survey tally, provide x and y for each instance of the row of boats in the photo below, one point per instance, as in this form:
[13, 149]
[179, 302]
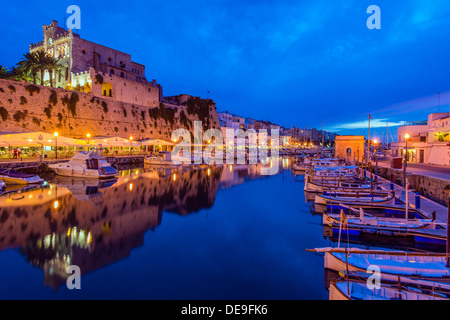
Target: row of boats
[83, 164]
[354, 207]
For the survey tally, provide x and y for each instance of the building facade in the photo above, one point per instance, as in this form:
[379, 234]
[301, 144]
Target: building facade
[427, 143]
[123, 79]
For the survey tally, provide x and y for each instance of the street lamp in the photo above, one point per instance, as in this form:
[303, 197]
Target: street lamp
[404, 162]
[375, 145]
[56, 144]
[88, 136]
[131, 144]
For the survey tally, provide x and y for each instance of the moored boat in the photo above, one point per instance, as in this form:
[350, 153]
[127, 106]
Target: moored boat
[162, 158]
[336, 185]
[86, 165]
[10, 176]
[392, 264]
[355, 198]
[358, 290]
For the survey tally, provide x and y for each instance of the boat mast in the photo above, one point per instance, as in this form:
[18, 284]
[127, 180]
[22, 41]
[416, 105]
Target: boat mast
[323, 134]
[368, 142]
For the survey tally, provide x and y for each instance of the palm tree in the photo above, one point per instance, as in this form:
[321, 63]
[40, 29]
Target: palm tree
[3, 72]
[53, 65]
[41, 63]
[30, 65]
[18, 74]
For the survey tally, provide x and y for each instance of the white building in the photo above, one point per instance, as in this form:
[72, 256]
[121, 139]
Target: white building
[427, 143]
[231, 121]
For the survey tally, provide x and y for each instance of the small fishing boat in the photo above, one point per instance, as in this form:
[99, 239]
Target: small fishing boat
[349, 198]
[378, 210]
[364, 221]
[10, 176]
[332, 172]
[392, 264]
[85, 164]
[358, 290]
[336, 185]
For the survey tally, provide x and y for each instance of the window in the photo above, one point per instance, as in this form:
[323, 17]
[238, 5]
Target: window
[423, 139]
[83, 51]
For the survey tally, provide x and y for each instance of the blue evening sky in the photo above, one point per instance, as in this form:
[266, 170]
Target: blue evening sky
[291, 62]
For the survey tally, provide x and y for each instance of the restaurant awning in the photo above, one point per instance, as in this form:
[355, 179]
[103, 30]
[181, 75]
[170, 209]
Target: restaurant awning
[37, 139]
[108, 142]
[156, 142]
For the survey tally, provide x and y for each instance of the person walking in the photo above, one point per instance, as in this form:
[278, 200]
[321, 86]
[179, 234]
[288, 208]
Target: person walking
[15, 154]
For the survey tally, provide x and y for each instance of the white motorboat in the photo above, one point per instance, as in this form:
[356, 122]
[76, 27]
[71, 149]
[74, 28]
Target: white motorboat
[10, 176]
[161, 158]
[85, 164]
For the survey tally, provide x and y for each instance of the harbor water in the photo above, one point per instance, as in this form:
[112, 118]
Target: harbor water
[209, 232]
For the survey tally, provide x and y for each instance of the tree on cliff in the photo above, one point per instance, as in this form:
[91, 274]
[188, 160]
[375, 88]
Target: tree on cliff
[3, 72]
[53, 66]
[30, 64]
[40, 61]
[18, 74]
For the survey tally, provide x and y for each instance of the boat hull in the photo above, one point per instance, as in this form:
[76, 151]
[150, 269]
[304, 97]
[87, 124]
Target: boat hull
[86, 173]
[24, 181]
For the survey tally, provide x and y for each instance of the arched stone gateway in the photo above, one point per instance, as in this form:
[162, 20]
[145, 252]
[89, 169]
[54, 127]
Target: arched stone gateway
[349, 147]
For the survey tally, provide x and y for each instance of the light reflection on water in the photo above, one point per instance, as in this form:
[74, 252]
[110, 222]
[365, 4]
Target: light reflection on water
[210, 232]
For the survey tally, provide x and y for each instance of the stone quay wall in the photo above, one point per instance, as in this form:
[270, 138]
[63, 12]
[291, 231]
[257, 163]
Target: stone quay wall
[432, 188]
[26, 108]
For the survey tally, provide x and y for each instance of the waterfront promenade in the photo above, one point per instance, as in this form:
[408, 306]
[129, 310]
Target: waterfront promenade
[426, 205]
[429, 170]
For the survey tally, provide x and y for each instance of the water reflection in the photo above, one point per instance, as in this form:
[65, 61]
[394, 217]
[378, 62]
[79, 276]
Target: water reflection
[93, 223]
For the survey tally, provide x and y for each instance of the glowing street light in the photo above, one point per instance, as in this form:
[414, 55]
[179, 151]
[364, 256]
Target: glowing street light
[375, 145]
[56, 144]
[131, 144]
[407, 136]
[88, 136]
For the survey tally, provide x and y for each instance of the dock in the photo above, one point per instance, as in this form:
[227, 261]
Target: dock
[426, 205]
[30, 163]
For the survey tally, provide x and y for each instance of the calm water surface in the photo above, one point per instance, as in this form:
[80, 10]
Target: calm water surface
[205, 233]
